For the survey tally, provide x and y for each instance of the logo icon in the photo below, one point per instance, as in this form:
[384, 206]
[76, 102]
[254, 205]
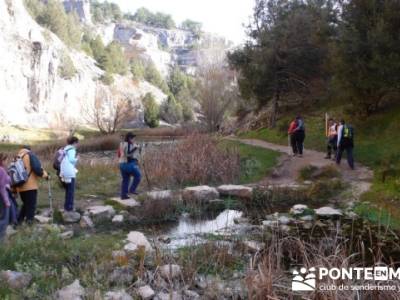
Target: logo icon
[305, 280]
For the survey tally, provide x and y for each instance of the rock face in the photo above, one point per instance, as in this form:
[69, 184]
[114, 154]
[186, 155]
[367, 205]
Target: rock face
[16, 280]
[199, 194]
[81, 8]
[34, 91]
[73, 291]
[238, 191]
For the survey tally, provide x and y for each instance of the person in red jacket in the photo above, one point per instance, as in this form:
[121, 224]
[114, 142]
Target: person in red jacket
[292, 137]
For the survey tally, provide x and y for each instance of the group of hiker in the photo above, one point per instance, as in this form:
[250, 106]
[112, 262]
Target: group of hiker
[22, 177]
[340, 139]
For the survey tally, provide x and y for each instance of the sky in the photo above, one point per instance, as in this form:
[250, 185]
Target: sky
[224, 17]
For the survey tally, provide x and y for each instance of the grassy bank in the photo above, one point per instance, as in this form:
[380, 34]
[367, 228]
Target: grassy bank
[376, 146]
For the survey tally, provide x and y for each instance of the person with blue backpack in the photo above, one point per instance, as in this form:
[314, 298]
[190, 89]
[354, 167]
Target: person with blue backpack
[345, 142]
[68, 171]
[129, 166]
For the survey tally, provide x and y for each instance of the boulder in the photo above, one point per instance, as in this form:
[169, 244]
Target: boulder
[328, 212]
[43, 219]
[15, 280]
[160, 195]
[128, 203]
[146, 292]
[86, 222]
[238, 191]
[168, 296]
[170, 272]
[71, 216]
[298, 209]
[101, 212]
[139, 239]
[121, 276]
[200, 194]
[118, 219]
[73, 291]
[117, 295]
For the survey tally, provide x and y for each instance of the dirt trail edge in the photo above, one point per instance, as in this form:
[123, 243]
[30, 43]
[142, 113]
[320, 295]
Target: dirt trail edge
[287, 170]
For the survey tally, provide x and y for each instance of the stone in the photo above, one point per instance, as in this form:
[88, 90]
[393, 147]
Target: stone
[237, 191]
[71, 217]
[254, 246]
[146, 292]
[168, 296]
[67, 235]
[200, 194]
[117, 295]
[118, 254]
[160, 195]
[101, 212]
[328, 212]
[128, 203]
[73, 291]
[10, 231]
[191, 295]
[43, 219]
[284, 228]
[16, 280]
[298, 209]
[121, 276]
[118, 219]
[284, 220]
[241, 220]
[170, 271]
[131, 248]
[139, 239]
[86, 222]
[270, 223]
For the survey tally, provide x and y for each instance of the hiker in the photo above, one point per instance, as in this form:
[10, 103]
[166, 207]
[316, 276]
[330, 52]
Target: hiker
[332, 136]
[345, 142]
[299, 135]
[28, 191]
[68, 171]
[5, 203]
[129, 166]
[293, 144]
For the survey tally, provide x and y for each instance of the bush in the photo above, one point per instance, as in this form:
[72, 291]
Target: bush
[151, 110]
[152, 75]
[143, 15]
[171, 111]
[66, 69]
[138, 69]
[105, 11]
[107, 78]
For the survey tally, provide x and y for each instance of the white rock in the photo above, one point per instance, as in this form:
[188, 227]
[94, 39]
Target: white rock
[73, 291]
[191, 295]
[328, 212]
[298, 209]
[239, 191]
[71, 216]
[254, 246]
[131, 248]
[118, 219]
[43, 219]
[160, 195]
[200, 194]
[168, 296]
[284, 220]
[170, 271]
[128, 203]
[307, 218]
[67, 235]
[146, 292]
[270, 223]
[16, 280]
[101, 212]
[86, 222]
[139, 239]
[117, 295]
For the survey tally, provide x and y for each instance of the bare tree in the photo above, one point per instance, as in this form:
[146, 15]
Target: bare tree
[218, 93]
[110, 111]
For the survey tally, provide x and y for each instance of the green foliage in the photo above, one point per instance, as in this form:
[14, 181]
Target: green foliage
[171, 111]
[105, 11]
[138, 69]
[107, 78]
[53, 16]
[66, 69]
[192, 26]
[367, 60]
[143, 15]
[113, 59]
[153, 76]
[151, 110]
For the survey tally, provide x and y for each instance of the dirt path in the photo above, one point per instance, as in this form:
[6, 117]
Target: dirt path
[287, 171]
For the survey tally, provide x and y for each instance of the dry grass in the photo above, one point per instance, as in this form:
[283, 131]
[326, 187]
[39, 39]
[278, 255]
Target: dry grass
[199, 159]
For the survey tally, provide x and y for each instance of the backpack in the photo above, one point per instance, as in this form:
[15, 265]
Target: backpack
[348, 132]
[18, 173]
[58, 158]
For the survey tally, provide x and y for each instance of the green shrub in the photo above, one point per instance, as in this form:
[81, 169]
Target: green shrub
[171, 111]
[151, 111]
[107, 78]
[66, 69]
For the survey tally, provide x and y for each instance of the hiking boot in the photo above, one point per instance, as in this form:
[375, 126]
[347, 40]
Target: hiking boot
[327, 157]
[300, 155]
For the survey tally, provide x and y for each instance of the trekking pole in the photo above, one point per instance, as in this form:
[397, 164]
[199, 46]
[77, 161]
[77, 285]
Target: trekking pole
[50, 198]
[290, 148]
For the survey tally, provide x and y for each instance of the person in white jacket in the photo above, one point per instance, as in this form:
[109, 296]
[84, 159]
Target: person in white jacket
[68, 172]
